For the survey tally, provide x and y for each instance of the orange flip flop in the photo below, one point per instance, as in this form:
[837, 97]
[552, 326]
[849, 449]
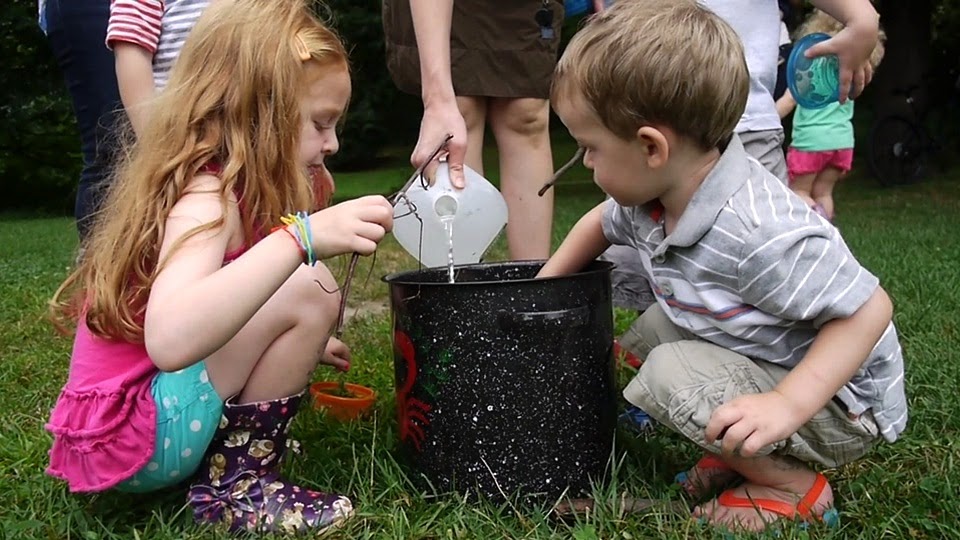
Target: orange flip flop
[803, 509]
[707, 462]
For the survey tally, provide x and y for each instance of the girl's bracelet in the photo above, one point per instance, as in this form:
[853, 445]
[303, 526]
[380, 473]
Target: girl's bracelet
[298, 225]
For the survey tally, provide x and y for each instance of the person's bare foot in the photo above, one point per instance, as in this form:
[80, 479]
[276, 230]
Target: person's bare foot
[709, 475]
[753, 507]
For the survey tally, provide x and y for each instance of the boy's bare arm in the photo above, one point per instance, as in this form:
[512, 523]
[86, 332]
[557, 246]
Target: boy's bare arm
[134, 66]
[748, 423]
[853, 44]
[585, 243]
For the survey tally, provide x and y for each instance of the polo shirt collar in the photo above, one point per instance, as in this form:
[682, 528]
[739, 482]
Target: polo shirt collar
[730, 173]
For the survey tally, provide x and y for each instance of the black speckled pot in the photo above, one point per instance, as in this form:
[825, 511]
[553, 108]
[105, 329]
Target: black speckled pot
[505, 383]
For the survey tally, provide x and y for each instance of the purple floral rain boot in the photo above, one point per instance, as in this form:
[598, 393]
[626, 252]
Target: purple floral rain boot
[239, 485]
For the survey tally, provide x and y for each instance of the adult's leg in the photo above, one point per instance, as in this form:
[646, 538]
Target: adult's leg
[474, 111]
[77, 31]
[522, 129]
[766, 146]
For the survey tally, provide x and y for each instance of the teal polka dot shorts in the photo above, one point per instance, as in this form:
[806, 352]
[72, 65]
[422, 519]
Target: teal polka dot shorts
[188, 411]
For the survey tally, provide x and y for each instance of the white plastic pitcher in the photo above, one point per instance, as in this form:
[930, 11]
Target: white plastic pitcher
[478, 214]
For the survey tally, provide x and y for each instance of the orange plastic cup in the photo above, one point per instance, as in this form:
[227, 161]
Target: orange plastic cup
[340, 407]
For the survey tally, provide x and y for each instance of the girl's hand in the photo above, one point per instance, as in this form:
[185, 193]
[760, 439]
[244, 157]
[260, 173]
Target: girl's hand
[336, 354]
[852, 46]
[750, 422]
[357, 226]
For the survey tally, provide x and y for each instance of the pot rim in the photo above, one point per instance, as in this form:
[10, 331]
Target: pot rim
[403, 277]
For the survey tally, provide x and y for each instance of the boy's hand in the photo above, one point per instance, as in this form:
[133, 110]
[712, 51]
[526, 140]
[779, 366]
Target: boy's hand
[750, 422]
[357, 226]
[336, 354]
[853, 46]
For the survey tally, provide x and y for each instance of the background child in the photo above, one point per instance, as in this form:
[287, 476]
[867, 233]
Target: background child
[769, 345]
[146, 37]
[193, 298]
[821, 146]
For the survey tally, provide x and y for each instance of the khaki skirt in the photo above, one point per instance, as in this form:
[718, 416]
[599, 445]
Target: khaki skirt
[497, 48]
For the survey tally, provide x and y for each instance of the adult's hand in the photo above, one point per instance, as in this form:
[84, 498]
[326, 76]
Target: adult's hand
[852, 45]
[442, 118]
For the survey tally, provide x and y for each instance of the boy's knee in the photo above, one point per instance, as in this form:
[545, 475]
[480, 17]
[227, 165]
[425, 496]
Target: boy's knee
[651, 388]
[651, 329]
[659, 368]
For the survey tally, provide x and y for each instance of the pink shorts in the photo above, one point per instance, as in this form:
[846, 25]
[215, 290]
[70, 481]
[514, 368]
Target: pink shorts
[800, 162]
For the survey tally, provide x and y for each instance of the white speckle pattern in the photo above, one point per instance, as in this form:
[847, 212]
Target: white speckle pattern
[195, 426]
[524, 400]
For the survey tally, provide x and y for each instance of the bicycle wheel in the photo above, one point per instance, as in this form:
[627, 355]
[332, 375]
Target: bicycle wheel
[898, 154]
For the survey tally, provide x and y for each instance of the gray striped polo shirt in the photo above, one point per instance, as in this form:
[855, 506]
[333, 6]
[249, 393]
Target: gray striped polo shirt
[751, 268]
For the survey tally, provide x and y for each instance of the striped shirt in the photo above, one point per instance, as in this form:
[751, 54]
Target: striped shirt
[752, 269]
[159, 26]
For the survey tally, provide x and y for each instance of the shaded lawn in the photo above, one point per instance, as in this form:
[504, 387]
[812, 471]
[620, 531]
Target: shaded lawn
[907, 236]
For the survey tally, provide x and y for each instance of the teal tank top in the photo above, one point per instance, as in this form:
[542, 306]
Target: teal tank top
[829, 128]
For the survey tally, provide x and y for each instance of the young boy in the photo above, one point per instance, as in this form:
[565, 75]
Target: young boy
[769, 345]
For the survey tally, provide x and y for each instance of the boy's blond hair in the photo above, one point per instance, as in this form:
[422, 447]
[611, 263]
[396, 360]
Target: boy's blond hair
[658, 62]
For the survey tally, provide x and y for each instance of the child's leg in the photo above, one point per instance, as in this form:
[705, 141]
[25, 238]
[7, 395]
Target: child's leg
[652, 329]
[682, 383]
[521, 127]
[822, 191]
[770, 480]
[269, 363]
[839, 163]
[274, 354]
[802, 185]
[474, 111]
[802, 168]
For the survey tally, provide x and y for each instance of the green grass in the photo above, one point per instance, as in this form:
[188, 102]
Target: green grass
[910, 237]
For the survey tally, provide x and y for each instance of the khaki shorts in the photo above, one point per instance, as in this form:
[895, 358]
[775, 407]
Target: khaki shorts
[684, 379]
